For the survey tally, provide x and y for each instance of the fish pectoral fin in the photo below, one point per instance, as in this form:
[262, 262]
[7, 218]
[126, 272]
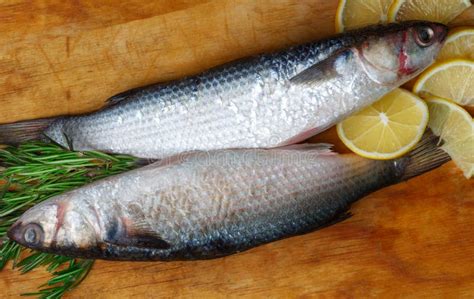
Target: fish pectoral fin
[124, 233]
[142, 235]
[323, 70]
[147, 241]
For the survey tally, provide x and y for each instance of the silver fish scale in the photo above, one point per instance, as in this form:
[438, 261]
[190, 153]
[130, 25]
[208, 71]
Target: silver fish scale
[215, 204]
[245, 104]
[212, 203]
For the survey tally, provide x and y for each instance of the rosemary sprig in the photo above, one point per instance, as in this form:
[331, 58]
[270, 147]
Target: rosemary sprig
[32, 173]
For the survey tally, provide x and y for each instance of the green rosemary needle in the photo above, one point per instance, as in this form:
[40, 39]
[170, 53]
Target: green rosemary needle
[33, 172]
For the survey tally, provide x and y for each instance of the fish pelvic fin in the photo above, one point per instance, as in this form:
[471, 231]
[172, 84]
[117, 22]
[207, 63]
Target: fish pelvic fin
[427, 155]
[20, 132]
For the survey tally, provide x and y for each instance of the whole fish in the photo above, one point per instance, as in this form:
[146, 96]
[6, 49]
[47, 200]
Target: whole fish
[210, 204]
[259, 102]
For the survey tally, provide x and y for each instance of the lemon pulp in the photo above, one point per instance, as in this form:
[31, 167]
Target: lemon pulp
[452, 80]
[459, 44]
[442, 11]
[353, 14]
[456, 128]
[388, 129]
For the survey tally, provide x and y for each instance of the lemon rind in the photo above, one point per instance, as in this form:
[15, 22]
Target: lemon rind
[438, 67]
[458, 33]
[395, 7]
[468, 173]
[449, 103]
[393, 10]
[402, 151]
[340, 16]
[340, 26]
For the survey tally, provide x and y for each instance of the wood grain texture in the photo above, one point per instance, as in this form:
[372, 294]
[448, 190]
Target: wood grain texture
[54, 17]
[75, 72]
[414, 239]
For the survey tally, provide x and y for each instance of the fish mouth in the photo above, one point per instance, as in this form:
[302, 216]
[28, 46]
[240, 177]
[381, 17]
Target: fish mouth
[15, 233]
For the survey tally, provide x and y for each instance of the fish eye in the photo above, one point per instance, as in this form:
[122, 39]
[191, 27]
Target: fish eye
[424, 36]
[33, 234]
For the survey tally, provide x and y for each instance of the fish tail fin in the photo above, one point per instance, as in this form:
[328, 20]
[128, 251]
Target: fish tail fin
[426, 156]
[19, 132]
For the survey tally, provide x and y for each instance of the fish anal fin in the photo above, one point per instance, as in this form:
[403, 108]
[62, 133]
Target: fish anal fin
[124, 232]
[319, 148]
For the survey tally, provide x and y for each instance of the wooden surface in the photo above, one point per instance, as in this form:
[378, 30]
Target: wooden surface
[64, 57]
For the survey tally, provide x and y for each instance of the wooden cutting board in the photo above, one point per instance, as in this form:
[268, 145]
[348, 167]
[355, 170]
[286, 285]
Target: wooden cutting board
[413, 239]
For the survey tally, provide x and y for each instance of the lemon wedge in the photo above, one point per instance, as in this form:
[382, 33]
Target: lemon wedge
[388, 129]
[459, 44]
[452, 80]
[456, 127]
[352, 14]
[442, 11]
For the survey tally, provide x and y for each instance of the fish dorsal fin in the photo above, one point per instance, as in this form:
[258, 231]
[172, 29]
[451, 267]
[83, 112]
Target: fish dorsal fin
[323, 70]
[123, 96]
[319, 148]
[125, 233]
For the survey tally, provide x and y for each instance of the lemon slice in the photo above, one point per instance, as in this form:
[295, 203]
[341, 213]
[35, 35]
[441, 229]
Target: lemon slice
[459, 44]
[456, 127]
[352, 14]
[452, 80]
[388, 129]
[442, 11]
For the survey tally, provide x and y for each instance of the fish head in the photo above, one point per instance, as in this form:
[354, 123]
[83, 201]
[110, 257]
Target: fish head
[56, 226]
[393, 54]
